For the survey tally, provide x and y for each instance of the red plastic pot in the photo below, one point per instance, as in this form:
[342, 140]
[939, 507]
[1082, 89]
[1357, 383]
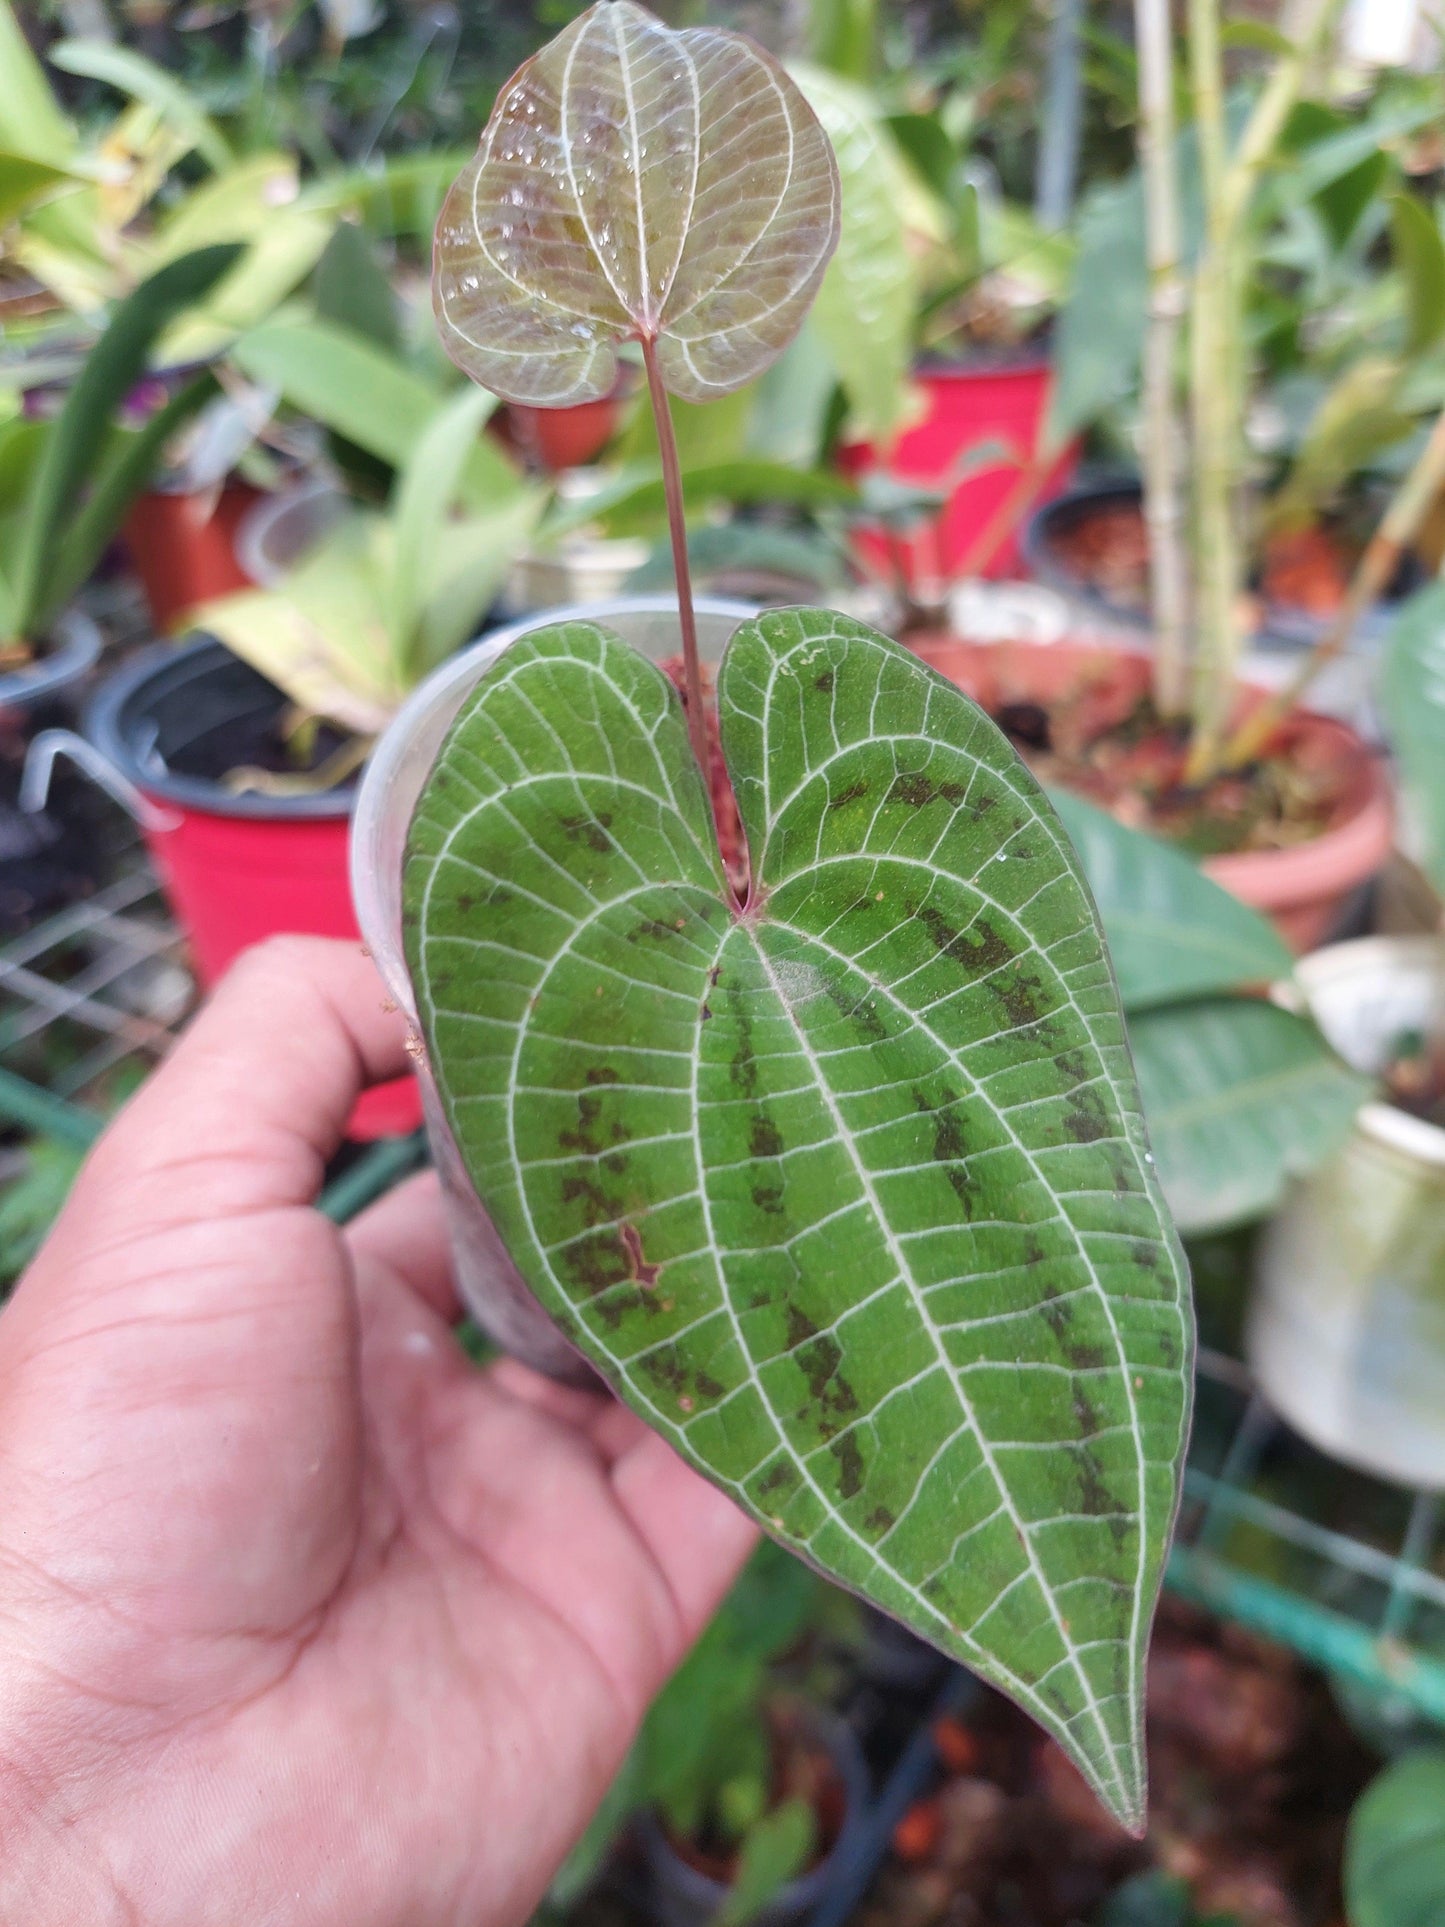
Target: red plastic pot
[966, 407]
[183, 547]
[1303, 890]
[236, 869]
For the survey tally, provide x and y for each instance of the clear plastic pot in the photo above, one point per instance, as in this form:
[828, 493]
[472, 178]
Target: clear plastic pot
[489, 1283]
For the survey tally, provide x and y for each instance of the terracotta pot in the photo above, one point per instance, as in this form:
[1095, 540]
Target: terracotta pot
[183, 547]
[1303, 890]
[558, 438]
[966, 406]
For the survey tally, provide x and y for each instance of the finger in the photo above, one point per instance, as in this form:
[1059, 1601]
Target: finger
[404, 1236]
[254, 1100]
[697, 1538]
[574, 1405]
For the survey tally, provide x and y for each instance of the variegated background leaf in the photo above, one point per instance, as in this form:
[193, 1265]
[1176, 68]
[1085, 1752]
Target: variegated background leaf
[635, 181]
[847, 1192]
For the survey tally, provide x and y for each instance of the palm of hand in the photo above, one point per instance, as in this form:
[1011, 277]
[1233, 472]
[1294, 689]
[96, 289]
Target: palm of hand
[313, 1622]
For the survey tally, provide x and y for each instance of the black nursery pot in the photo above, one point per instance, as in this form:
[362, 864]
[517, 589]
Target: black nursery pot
[681, 1895]
[50, 857]
[1284, 627]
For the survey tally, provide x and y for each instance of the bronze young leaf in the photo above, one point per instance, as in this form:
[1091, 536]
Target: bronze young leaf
[635, 182]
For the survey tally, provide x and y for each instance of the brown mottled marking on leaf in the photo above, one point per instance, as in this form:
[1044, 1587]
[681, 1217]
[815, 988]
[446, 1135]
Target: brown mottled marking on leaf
[743, 1067]
[979, 953]
[823, 682]
[1081, 1354]
[1054, 1314]
[1095, 1498]
[854, 1009]
[587, 1139]
[913, 788]
[949, 1147]
[591, 830]
[667, 1371]
[601, 1074]
[782, 1476]
[853, 794]
[769, 1198]
[800, 1327]
[765, 1140]
[1019, 996]
[465, 902]
[819, 1361]
[850, 1465]
[595, 1262]
[598, 1206]
[879, 1520]
[1088, 1120]
[650, 927]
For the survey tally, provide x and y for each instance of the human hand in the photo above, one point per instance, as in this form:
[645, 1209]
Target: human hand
[302, 1618]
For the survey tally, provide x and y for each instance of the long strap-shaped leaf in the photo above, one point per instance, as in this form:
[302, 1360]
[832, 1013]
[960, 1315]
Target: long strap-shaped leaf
[848, 1193]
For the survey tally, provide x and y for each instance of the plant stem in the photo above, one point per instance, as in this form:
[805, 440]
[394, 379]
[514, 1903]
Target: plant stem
[1274, 106]
[1168, 298]
[677, 529]
[1217, 372]
[1398, 528]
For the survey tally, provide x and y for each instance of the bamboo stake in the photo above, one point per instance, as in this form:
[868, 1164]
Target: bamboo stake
[1214, 403]
[1398, 528]
[1168, 299]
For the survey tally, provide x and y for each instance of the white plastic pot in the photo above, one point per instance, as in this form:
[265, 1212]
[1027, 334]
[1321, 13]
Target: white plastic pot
[1346, 1333]
[396, 774]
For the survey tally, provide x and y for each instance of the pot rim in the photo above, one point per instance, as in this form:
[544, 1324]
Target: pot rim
[260, 520]
[102, 727]
[1414, 1137]
[80, 643]
[981, 364]
[1366, 959]
[1286, 625]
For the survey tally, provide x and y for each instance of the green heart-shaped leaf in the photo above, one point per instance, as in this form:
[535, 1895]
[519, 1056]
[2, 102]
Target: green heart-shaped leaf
[846, 1191]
